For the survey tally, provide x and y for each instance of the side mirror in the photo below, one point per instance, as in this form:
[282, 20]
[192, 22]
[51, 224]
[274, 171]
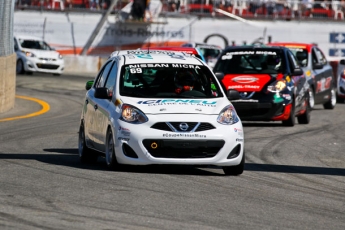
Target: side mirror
[102, 93]
[317, 66]
[219, 76]
[233, 94]
[88, 85]
[342, 62]
[15, 47]
[297, 72]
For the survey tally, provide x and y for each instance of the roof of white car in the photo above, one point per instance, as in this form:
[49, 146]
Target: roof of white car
[28, 37]
[156, 56]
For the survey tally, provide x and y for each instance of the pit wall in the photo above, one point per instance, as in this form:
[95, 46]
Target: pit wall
[7, 82]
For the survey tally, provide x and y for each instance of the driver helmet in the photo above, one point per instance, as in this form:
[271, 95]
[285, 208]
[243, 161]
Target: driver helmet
[184, 81]
[273, 61]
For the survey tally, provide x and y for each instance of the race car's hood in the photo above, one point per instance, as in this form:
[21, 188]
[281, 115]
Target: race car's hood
[246, 82]
[178, 106]
[51, 54]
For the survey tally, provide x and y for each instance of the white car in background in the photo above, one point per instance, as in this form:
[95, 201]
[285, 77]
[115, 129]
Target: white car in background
[160, 107]
[35, 55]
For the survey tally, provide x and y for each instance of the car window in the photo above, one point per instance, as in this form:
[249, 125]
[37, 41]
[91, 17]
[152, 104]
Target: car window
[301, 56]
[293, 62]
[209, 52]
[251, 61]
[162, 80]
[34, 44]
[15, 45]
[320, 56]
[314, 57]
[100, 81]
[112, 78]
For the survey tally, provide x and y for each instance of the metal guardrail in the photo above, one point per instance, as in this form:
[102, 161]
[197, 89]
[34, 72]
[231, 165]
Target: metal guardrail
[250, 9]
[6, 27]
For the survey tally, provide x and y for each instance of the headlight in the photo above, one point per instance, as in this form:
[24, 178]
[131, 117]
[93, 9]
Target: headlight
[60, 56]
[133, 115]
[277, 86]
[228, 116]
[29, 54]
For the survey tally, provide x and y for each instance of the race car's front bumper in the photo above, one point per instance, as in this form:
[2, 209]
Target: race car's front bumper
[143, 145]
[261, 111]
[36, 65]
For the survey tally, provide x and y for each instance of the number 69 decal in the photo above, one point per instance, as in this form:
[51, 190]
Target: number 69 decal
[136, 70]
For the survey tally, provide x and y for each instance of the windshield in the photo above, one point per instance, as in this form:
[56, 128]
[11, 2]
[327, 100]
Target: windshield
[209, 52]
[301, 55]
[168, 81]
[34, 44]
[251, 61]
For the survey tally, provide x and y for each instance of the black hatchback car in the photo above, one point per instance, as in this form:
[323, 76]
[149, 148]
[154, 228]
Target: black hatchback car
[271, 84]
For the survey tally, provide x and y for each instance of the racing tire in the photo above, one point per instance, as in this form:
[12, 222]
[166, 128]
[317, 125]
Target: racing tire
[20, 67]
[235, 170]
[311, 98]
[330, 104]
[86, 155]
[291, 121]
[110, 156]
[305, 117]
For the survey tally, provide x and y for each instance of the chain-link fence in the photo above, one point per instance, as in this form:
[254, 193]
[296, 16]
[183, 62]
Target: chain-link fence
[6, 27]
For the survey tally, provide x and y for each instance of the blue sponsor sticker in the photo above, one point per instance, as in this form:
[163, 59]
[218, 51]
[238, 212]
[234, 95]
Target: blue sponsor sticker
[337, 37]
[188, 101]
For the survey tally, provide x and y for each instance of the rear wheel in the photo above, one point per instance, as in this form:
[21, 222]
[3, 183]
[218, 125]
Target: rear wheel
[110, 157]
[235, 170]
[291, 120]
[330, 104]
[86, 155]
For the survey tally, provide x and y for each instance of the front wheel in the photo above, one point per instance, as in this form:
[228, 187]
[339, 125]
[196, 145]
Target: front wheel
[305, 117]
[330, 104]
[235, 170]
[110, 157]
[20, 67]
[311, 98]
[86, 155]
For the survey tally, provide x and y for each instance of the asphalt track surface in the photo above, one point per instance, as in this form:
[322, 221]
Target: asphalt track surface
[294, 177]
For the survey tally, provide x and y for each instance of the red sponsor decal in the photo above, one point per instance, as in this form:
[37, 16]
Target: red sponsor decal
[323, 84]
[245, 83]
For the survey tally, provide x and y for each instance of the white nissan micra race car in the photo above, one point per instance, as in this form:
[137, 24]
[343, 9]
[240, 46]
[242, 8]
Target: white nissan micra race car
[160, 107]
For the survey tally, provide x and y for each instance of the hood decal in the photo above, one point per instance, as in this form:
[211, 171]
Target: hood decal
[246, 83]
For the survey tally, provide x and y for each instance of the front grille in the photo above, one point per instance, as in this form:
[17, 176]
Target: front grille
[183, 148]
[175, 126]
[47, 66]
[47, 59]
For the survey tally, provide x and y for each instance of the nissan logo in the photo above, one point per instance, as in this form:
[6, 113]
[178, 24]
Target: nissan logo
[184, 126]
[244, 79]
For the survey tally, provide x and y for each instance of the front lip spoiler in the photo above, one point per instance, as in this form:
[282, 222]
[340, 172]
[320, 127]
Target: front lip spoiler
[285, 115]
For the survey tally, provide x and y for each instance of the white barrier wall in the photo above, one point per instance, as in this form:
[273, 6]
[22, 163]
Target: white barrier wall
[69, 32]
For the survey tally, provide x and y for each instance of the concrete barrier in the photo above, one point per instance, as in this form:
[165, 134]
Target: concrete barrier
[7, 82]
[83, 65]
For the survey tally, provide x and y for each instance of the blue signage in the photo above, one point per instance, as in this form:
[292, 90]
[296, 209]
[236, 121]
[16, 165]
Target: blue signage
[336, 52]
[337, 37]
